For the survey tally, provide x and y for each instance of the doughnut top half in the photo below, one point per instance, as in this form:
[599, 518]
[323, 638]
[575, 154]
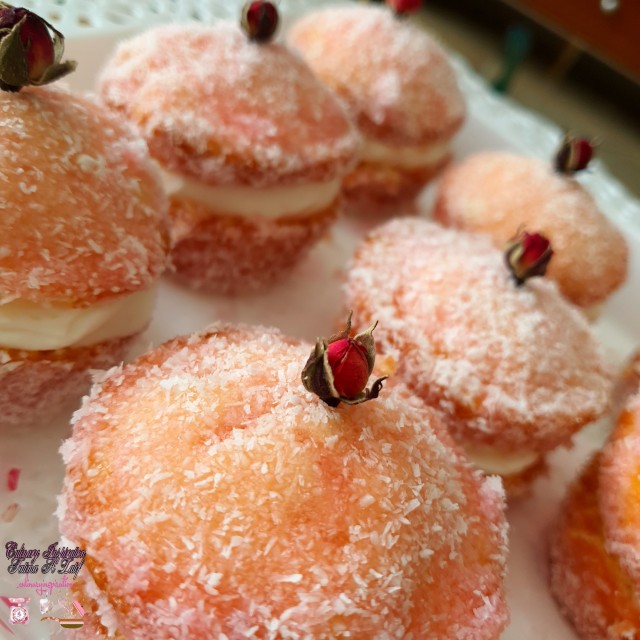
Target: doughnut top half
[395, 79]
[83, 216]
[513, 367]
[219, 108]
[247, 503]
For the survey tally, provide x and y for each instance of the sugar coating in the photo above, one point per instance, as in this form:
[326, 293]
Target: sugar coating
[620, 490]
[377, 190]
[497, 193]
[38, 385]
[627, 383]
[82, 211]
[394, 78]
[232, 255]
[215, 106]
[216, 497]
[515, 368]
[591, 588]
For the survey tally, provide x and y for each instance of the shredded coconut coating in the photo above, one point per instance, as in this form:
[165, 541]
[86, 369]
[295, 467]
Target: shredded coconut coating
[217, 498]
[222, 109]
[234, 255]
[394, 78]
[82, 211]
[592, 590]
[377, 190]
[620, 492]
[515, 368]
[627, 384]
[497, 193]
[37, 385]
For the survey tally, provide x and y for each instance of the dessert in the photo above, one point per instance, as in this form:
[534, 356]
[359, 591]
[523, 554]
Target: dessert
[496, 193]
[84, 237]
[252, 147]
[619, 493]
[246, 506]
[514, 370]
[400, 89]
[627, 382]
[594, 547]
[591, 588]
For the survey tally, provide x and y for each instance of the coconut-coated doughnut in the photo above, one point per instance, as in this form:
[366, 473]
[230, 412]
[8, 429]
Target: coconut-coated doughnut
[399, 87]
[221, 109]
[223, 115]
[83, 229]
[83, 211]
[246, 507]
[514, 370]
[620, 490]
[498, 193]
[590, 586]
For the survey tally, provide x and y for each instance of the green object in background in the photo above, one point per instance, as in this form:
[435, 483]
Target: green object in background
[517, 46]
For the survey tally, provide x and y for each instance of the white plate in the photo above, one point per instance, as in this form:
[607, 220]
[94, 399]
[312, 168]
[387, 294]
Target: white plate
[306, 306]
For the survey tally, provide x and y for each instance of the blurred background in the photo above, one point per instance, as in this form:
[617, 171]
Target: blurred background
[577, 62]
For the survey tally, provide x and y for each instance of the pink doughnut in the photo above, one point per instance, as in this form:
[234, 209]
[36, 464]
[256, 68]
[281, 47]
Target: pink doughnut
[398, 85]
[497, 193]
[515, 370]
[246, 507]
[84, 228]
[237, 125]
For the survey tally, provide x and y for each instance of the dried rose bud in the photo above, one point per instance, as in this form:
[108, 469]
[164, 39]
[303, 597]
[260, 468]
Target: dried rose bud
[404, 7]
[528, 255]
[573, 155]
[260, 20]
[30, 50]
[338, 369]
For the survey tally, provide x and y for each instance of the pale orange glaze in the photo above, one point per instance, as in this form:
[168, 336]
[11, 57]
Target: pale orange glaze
[590, 586]
[83, 214]
[216, 107]
[215, 495]
[620, 490]
[229, 254]
[498, 193]
[37, 385]
[395, 80]
[516, 369]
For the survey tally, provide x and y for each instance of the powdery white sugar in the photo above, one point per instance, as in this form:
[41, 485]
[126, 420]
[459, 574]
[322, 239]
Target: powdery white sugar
[295, 519]
[515, 367]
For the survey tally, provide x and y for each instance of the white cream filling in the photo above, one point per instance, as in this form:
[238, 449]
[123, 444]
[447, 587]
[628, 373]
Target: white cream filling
[501, 464]
[36, 327]
[267, 202]
[407, 157]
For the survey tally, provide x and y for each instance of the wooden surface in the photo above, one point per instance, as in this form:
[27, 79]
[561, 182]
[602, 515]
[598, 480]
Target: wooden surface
[614, 37]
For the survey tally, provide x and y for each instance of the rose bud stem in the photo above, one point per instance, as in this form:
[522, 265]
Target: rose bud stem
[259, 20]
[30, 50]
[338, 369]
[404, 7]
[573, 155]
[528, 255]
